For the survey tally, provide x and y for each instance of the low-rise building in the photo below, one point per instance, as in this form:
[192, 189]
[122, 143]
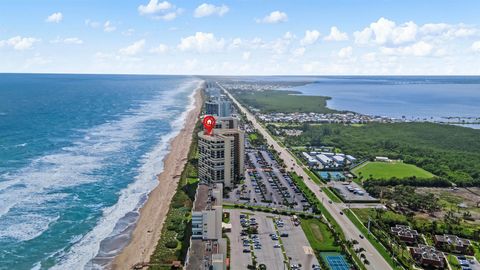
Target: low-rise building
[428, 256]
[405, 233]
[207, 247]
[350, 158]
[339, 159]
[382, 159]
[452, 243]
[326, 161]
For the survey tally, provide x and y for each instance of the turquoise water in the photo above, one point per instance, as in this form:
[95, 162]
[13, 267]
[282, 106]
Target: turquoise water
[78, 156]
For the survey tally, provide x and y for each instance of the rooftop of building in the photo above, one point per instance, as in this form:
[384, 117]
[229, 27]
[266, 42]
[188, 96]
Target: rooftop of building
[403, 230]
[428, 252]
[453, 239]
[201, 200]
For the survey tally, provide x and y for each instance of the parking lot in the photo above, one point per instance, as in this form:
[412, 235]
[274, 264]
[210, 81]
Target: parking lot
[264, 244]
[356, 192]
[239, 260]
[468, 262]
[266, 185]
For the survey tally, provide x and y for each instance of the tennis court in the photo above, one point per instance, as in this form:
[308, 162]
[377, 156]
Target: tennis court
[335, 261]
[337, 176]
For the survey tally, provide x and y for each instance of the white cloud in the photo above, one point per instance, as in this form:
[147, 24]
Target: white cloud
[336, 35]
[298, 52]
[128, 32]
[91, 23]
[246, 55]
[201, 42]
[160, 10]
[311, 36]
[274, 17]
[476, 46]
[169, 16]
[236, 43]
[288, 35]
[55, 17]
[160, 49]
[345, 52]
[447, 31]
[205, 10]
[154, 7]
[71, 40]
[420, 48]
[385, 31]
[109, 27]
[19, 43]
[133, 49]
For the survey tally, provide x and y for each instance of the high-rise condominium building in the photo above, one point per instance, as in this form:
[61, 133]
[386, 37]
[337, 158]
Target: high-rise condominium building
[222, 153]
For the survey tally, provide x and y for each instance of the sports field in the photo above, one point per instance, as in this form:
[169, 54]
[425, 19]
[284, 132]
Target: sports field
[384, 170]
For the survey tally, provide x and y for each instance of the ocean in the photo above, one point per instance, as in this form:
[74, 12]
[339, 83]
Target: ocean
[414, 98]
[78, 156]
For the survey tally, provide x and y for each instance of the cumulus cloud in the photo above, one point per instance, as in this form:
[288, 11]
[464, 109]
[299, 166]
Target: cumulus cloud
[336, 35]
[160, 10]
[385, 31]
[160, 49]
[345, 52]
[55, 17]
[19, 43]
[154, 7]
[476, 46]
[420, 48]
[274, 17]
[246, 55]
[311, 36]
[133, 49]
[201, 42]
[205, 10]
[109, 27]
[71, 40]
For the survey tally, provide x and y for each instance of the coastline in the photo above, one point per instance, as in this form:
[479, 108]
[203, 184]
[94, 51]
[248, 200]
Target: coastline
[148, 228]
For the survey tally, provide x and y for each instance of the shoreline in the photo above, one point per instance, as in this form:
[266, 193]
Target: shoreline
[148, 228]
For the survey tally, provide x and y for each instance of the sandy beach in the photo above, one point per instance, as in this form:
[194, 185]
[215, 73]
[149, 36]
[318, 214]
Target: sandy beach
[152, 215]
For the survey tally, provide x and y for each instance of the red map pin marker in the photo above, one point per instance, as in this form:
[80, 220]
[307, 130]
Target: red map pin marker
[209, 124]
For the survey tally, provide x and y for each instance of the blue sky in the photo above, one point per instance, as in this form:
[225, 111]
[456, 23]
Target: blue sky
[241, 37]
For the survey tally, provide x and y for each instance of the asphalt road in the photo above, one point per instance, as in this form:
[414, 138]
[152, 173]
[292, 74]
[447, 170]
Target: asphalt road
[351, 232]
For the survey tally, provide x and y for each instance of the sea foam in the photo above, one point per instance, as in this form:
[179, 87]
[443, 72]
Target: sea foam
[130, 199]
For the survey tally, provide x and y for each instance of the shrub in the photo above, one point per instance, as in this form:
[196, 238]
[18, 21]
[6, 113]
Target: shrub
[171, 244]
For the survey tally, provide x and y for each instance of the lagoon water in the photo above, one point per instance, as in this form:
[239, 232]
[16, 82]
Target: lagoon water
[78, 156]
[413, 97]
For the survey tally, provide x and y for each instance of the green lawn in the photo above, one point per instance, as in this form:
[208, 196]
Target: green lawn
[453, 261]
[282, 101]
[384, 170]
[331, 195]
[318, 235]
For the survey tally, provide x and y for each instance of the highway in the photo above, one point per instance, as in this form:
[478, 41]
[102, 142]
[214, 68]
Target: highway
[377, 262]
